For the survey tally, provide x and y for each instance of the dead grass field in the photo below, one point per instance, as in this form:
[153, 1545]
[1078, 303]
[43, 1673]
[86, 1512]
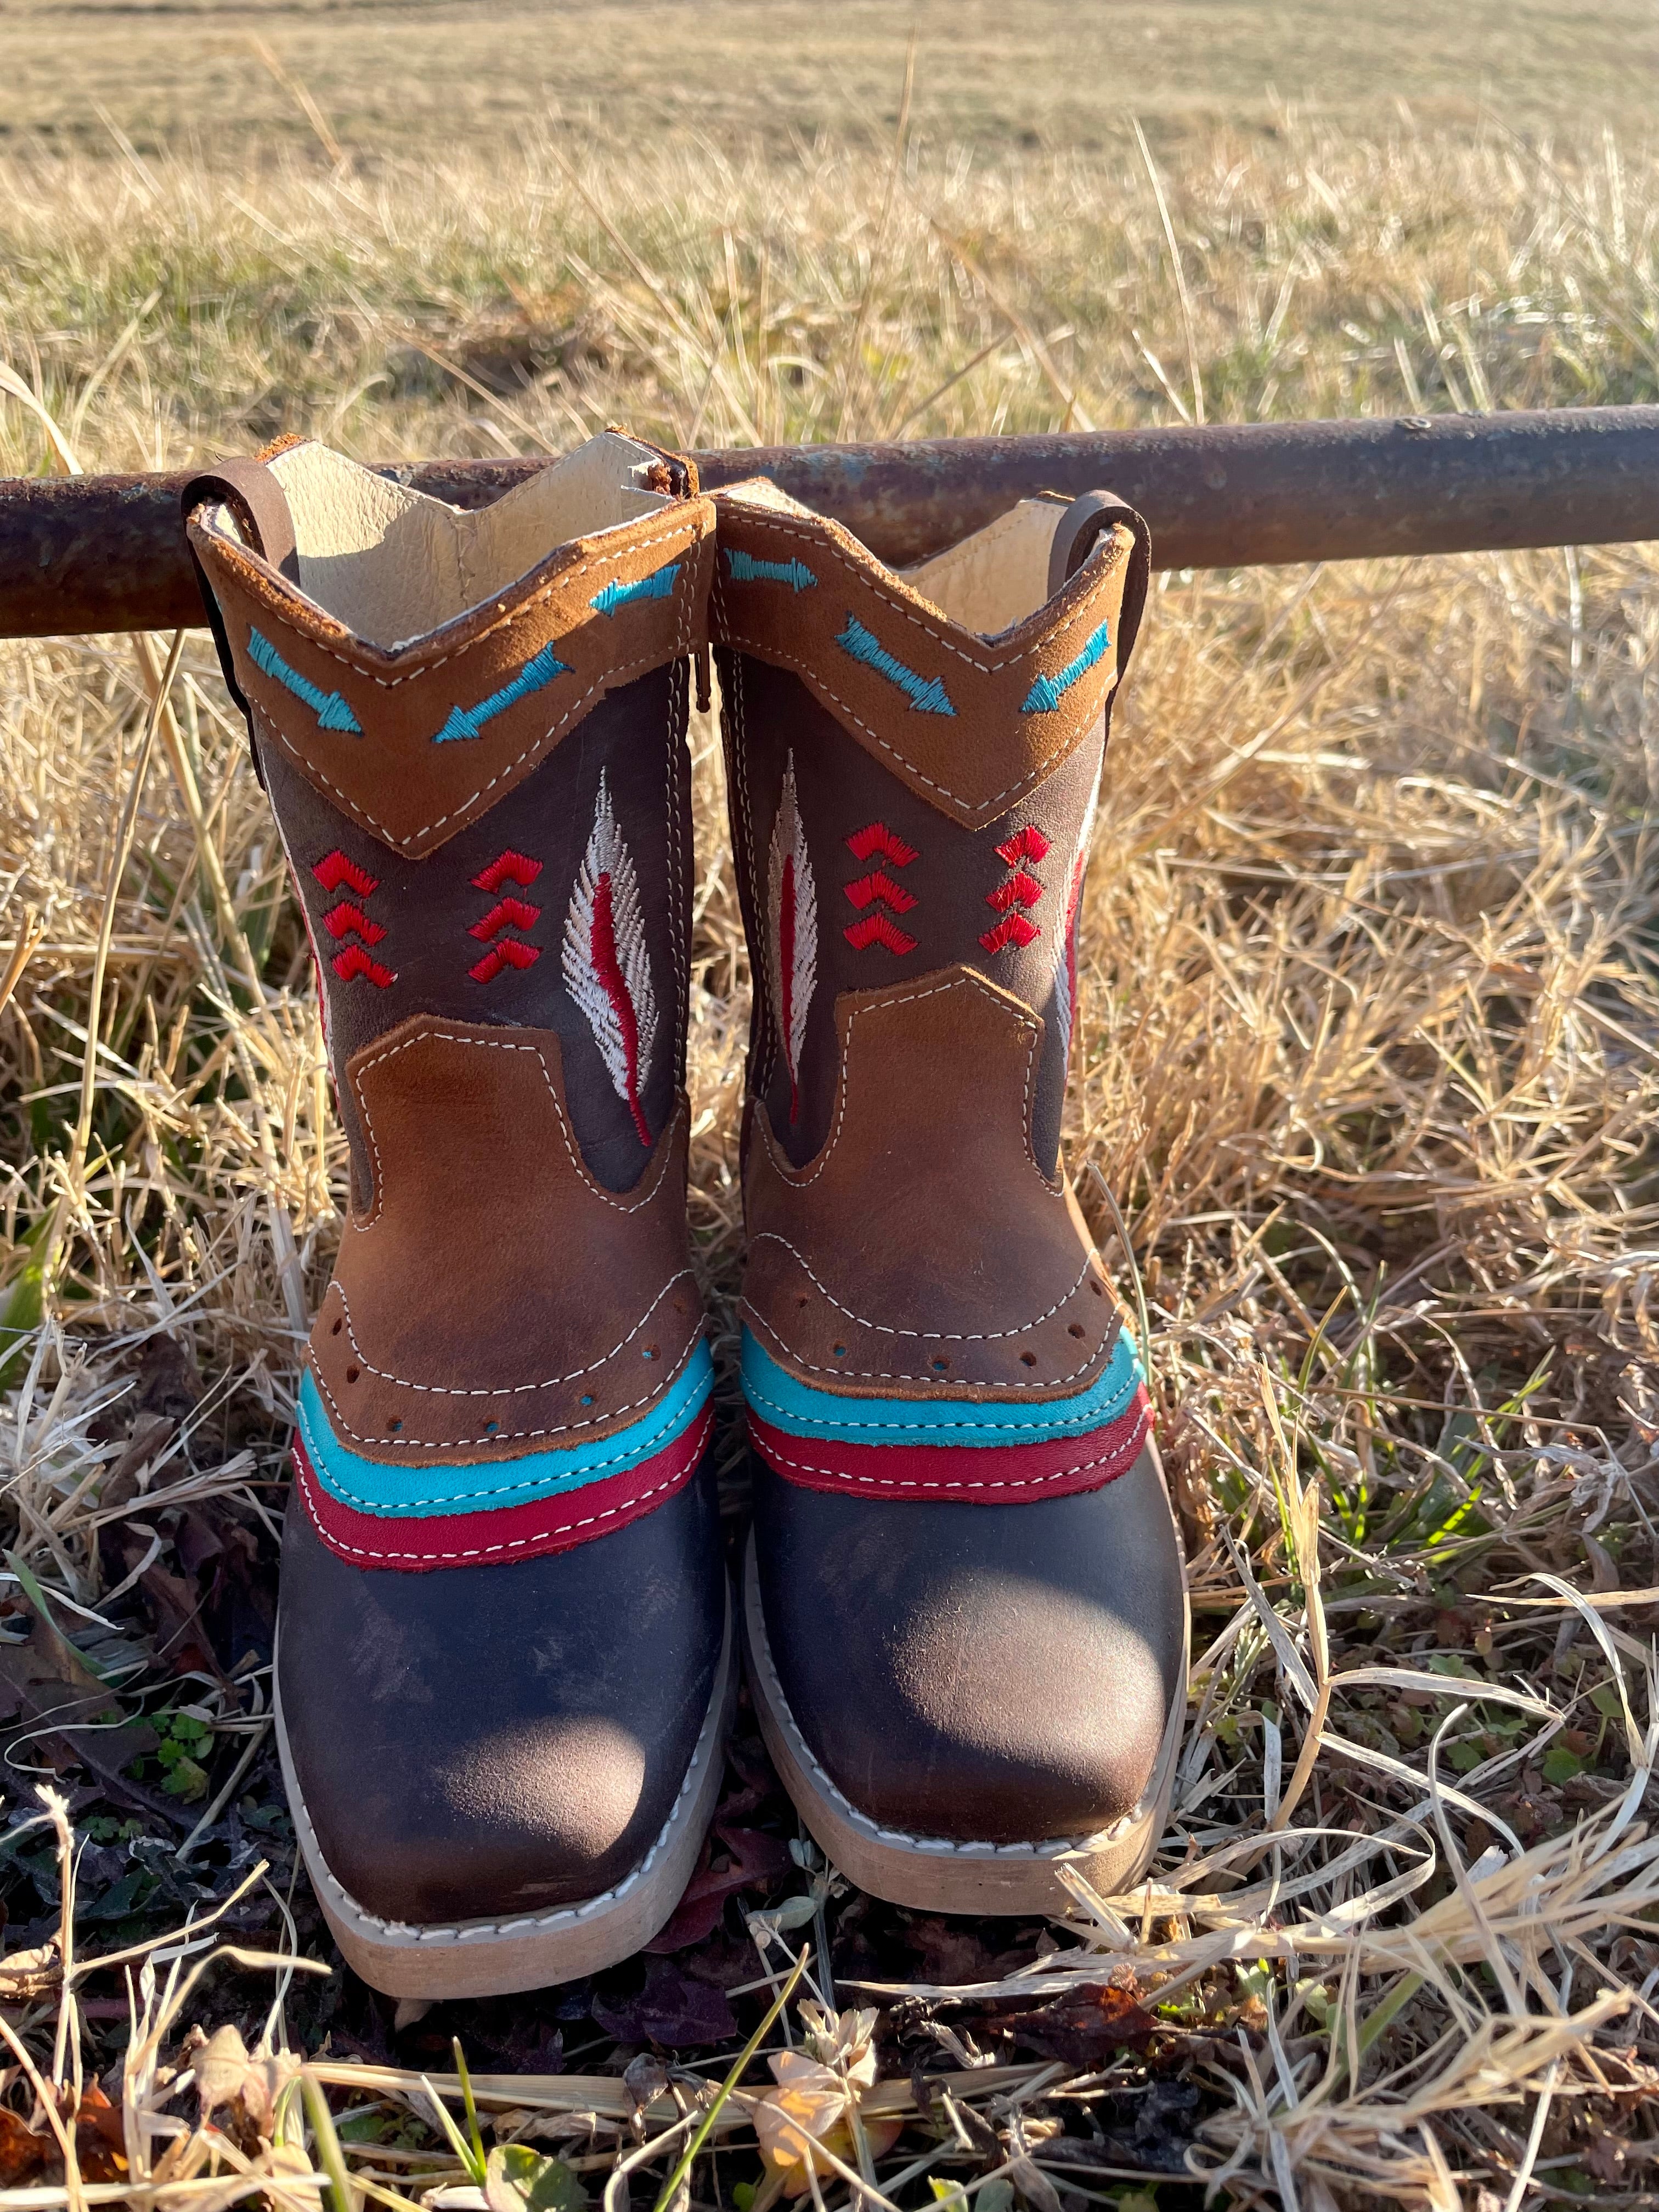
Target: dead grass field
[1369, 1058]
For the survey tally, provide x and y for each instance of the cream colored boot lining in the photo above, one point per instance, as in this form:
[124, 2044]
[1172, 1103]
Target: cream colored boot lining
[987, 582]
[392, 564]
[997, 577]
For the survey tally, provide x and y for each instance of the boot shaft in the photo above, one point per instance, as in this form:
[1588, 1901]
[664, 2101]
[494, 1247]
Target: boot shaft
[472, 730]
[909, 793]
[914, 765]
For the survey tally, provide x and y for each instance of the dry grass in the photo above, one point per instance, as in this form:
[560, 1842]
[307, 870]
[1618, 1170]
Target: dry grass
[1371, 1063]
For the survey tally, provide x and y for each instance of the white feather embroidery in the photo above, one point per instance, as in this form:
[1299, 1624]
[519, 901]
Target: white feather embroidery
[607, 969]
[1066, 962]
[792, 903]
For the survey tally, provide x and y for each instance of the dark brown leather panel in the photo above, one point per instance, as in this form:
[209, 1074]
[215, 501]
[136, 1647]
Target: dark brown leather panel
[999, 1674]
[973, 759]
[494, 1298]
[502, 1740]
[922, 1251]
[423, 916]
[940, 894]
[401, 787]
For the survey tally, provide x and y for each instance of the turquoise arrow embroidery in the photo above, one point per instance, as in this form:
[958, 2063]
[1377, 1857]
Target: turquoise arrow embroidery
[330, 708]
[536, 674]
[743, 569]
[926, 692]
[655, 587]
[1046, 694]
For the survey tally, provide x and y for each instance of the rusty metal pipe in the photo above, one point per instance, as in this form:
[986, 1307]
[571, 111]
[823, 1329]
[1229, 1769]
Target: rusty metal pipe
[107, 553]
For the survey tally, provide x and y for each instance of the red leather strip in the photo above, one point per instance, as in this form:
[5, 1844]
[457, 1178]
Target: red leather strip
[509, 1532]
[983, 1474]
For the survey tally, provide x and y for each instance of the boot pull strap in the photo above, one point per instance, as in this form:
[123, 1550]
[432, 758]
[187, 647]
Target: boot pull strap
[260, 506]
[257, 500]
[1076, 535]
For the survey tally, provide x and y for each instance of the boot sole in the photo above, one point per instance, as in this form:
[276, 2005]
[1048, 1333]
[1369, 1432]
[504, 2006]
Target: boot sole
[532, 1951]
[936, 1874]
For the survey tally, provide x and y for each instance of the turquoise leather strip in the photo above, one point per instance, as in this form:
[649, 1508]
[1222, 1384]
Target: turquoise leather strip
[801, 1410]
[434, 1487]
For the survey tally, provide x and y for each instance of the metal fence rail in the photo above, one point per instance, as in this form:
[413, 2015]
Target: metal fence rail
[107, 553]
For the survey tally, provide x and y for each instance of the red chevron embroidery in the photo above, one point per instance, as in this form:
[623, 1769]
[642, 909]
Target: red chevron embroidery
[355, 962]
[347, 920]
[510, 952]
[507, 867]
[1012, 929]
[1017, 890]
[516, 911]
[876, 837]
[878, 884]
[1026, 844]
[334, 869]
[878, 887]
[878, 929]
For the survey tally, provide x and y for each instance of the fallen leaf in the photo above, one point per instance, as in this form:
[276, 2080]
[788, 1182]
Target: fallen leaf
[519, 2179]
[1085, 2027]
[45, 1680]
[227, 2075]
[809, 2107]
[21, 2151]
[670, 2010]
[31, 1974]
[755, 1857]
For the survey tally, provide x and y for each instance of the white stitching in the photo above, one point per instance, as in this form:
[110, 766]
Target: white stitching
[1119, 1452]
[760, 1651]
[611, 678]
[758, 1320]
[651, 1182]
[702, 1426]
[1021, 1431]
[513, 1436]
[509, 1389]
[984, 807]
[827, 539]
[909, 995]
[462, 1932]
[514, 614]
[930, 1335]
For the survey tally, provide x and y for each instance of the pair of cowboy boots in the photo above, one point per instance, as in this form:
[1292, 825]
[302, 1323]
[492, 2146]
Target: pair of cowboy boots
[507, 1655]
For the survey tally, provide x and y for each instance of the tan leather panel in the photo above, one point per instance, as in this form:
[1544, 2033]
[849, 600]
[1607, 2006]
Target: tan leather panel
[922, 1251]
[495, 1299]
[980, 759]
[405, 789]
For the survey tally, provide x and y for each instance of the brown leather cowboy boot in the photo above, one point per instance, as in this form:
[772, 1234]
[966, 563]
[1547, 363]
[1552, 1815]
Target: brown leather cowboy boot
[504, 1658]
[963, 1599]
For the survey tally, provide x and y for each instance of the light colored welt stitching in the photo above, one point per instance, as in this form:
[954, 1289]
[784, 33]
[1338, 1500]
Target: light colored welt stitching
[508, 1389]
[1102, 1418]
[926, 1336]
[1061, 753]
[1120, 1455]
[653, 1176]
[913, 615]
[458, 814]
[504, 621]
[513, 1437]
[758, 1322]
[569, 1916]
[939, 1846]
[340, 1544]
[632, 1456]
[908, 996]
